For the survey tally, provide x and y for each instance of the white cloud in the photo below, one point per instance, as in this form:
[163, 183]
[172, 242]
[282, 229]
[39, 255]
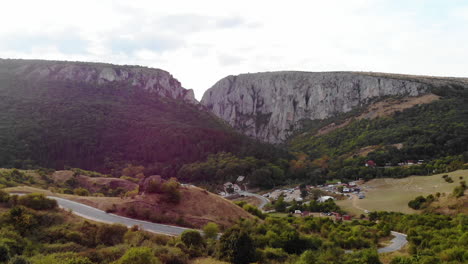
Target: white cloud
[201, 41]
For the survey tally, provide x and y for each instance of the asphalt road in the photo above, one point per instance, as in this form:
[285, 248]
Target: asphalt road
[263, 200]
[92, 213]
[397, 243]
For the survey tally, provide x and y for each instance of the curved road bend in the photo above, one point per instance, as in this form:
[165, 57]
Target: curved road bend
[263, 200]
[397, 243]
[92, 213]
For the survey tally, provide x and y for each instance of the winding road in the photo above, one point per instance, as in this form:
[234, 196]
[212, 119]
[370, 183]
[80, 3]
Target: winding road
[92, 213]
[263, 200]
[397, 243]
[97, 215]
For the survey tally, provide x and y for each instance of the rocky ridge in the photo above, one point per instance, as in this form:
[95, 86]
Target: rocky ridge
[269, 106]
[152, 80]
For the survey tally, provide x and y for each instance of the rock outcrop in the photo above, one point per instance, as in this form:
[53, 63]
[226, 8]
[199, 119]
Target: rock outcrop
[269, 106]
[152, 80]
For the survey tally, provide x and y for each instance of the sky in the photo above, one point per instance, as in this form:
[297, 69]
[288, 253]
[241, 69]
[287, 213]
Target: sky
[199, 42]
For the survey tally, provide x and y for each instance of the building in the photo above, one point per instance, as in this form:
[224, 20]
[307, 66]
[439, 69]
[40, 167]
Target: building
[325, 198]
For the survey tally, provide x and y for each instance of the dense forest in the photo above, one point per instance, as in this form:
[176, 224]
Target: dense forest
[59, 124]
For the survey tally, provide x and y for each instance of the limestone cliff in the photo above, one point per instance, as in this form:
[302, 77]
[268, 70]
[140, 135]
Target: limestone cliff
[270, 105]
[152, 80]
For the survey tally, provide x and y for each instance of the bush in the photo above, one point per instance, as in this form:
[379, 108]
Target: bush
[192, 238]
[110, 234]
[254, 211]
[19, 260]
[210, 231]
[37, 201]
[417, 203]
[4, 253]
[171, 190]
[81, 192]
[4, 197]
[138, 255]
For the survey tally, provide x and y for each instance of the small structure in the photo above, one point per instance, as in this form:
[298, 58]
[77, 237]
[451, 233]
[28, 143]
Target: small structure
[370, 163]
[240, 178]
[347, 217]
[324, 198]
[305, 213]
[297, 212]
[346, 190]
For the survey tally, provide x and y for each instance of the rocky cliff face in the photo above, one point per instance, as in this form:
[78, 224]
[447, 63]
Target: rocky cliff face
[269, 106]
[155, 81]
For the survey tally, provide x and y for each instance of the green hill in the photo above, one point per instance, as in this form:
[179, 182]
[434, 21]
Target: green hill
[54, 120]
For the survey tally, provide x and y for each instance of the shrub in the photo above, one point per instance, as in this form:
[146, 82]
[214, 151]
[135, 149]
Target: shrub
[417, 203]
[19, 260]
[192, 238]
[171, 255]
[171, 190]
[37, 201]
[210, 231]
[254, 210]
[81, 192]
[110, 234]
[4, 197]
[138, 255]
[4, 253]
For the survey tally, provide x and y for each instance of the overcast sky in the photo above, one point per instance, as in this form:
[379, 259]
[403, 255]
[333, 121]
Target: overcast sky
[200, 41]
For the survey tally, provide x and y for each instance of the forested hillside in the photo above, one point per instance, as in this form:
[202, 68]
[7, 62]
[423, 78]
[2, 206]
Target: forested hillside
[435, 134]
[104, 126]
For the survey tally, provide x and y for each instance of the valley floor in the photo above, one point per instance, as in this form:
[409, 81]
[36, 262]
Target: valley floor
[388, 194]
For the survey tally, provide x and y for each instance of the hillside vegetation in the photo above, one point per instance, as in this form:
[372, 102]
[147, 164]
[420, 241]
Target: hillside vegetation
[56, 123]
[436, 133]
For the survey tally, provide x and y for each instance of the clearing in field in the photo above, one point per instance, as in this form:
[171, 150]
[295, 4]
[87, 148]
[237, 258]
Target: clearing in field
[389, 194]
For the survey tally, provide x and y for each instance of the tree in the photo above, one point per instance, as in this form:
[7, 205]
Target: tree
[37, 201]
[236, 246]
[192, 238]
[280, 204]
[19, 260]
[138, 255]
[211, 230]
[171, 190]
[4, 253]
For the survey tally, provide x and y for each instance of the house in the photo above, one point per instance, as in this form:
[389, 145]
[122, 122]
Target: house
[370, 163]
[305, 213]
[346, 190]
[347, 217]
[352, 184]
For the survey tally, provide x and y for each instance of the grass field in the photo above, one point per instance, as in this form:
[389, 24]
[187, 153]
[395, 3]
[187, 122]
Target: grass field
[394, 194]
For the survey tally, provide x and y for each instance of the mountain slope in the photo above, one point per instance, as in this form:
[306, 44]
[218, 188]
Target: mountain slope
[101, 117]
[270, 106]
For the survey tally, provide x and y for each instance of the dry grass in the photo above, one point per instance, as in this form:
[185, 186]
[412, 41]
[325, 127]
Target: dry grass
[390, 106]
[386, 258]
[382, 108]
[394, 194]
[197, 206]
[249, 199]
